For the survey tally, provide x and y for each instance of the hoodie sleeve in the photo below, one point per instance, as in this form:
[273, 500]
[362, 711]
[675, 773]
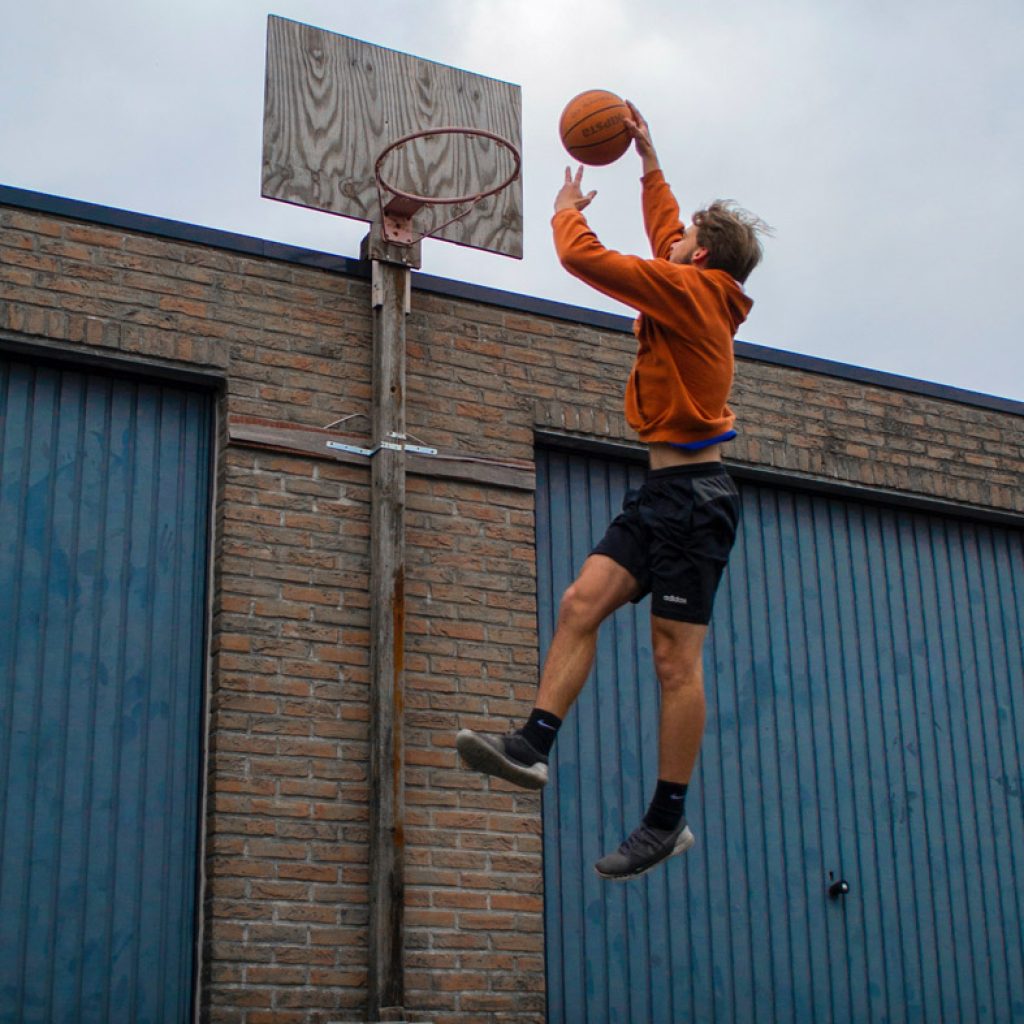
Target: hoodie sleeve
[661, 214]
[653, 287]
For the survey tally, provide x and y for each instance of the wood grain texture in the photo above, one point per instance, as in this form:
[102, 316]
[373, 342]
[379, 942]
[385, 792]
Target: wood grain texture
[333, 103]
[386, 982]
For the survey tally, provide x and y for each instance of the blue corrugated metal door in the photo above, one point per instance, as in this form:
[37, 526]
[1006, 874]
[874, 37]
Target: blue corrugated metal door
[103, 549]
[865, 723]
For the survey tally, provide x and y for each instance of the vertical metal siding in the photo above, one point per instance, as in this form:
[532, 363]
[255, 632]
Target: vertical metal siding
[865, 721]
[103, 527]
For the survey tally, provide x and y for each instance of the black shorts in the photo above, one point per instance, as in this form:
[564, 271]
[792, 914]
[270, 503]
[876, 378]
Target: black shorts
[674, 536]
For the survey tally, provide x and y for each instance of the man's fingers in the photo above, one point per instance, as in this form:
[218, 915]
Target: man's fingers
[571, 195]
[637, 116]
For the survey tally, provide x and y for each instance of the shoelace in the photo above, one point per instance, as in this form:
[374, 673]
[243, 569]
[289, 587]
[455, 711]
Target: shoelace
[526, 743]
[641, 836]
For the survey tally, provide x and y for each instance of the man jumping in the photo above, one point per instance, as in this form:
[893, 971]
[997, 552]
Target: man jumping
[673, 536]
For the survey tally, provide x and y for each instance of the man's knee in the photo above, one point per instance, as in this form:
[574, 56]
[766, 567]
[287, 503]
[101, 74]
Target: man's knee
[602, 586]
[678, 654]
[579, 608]
[675, 675]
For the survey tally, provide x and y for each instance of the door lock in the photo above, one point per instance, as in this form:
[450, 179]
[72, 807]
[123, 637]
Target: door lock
[838, 888]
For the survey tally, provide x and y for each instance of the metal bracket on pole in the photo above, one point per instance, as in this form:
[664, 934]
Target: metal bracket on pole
[397, 223]
[395, 443]
[401, 446]
[352, 449]
[376, 247]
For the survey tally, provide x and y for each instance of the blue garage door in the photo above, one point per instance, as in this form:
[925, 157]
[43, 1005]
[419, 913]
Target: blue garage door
[104, 487]
[865, 724]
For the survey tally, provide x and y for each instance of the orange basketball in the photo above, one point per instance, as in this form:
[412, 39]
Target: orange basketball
[592, 127]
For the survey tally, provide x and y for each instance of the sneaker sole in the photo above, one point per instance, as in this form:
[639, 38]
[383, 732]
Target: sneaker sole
[684, 841]
[479, 754]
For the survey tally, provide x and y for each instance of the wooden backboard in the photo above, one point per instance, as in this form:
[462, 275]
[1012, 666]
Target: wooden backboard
[333, 103]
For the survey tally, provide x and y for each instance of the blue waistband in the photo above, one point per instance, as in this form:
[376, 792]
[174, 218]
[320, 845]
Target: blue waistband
[696, 446]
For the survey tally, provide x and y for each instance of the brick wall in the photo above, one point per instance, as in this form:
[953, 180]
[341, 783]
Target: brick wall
[287, 853]
[837, 429]
[474, 868]
[285, 903]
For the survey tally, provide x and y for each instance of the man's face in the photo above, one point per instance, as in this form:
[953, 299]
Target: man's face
[683, 250]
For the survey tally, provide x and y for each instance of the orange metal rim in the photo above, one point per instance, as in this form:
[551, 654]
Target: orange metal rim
[448, 130]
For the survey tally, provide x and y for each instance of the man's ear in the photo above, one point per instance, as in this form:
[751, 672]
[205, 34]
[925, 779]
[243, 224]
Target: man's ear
[700, 255]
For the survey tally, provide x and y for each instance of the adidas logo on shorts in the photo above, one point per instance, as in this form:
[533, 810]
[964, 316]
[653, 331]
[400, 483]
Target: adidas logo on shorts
[672, 599]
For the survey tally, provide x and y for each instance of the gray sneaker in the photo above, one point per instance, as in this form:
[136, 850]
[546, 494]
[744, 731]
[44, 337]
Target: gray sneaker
[509, 757]
[644, 849]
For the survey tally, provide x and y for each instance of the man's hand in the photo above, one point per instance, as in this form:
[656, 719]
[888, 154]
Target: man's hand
[641, 135]
[570, 195]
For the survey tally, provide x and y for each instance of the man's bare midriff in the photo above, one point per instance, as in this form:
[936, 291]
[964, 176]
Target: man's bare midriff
[664, 455]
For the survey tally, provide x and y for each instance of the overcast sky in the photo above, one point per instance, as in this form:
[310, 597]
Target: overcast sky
[883, 141]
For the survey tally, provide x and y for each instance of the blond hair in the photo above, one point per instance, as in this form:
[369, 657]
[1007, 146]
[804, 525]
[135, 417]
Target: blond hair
[731, 236]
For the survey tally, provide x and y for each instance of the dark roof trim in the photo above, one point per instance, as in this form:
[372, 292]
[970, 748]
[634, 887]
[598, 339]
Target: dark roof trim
[744, 349]
[179, 231]
[249, 246]
[879, 378]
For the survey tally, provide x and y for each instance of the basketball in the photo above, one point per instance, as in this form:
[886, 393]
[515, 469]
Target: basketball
[592, 127]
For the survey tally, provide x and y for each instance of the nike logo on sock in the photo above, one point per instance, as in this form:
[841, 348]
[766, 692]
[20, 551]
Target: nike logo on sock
[546, 725]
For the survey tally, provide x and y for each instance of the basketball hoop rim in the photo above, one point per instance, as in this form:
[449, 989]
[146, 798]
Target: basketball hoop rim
[473, 197]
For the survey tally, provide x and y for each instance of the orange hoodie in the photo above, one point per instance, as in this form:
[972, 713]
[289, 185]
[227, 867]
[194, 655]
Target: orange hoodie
[679, 385]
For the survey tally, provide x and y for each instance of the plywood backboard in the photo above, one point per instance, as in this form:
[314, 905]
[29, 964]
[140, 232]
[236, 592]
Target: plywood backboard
[333, 103]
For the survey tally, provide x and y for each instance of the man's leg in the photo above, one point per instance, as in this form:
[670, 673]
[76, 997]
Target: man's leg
[678, 662]
[686, 567]
[601, 587]
[521, 757]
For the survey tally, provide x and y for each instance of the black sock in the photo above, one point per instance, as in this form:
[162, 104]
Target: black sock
[540, 730]
[666, 810]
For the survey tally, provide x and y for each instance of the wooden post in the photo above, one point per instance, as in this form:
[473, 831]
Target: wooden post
[390, 291]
